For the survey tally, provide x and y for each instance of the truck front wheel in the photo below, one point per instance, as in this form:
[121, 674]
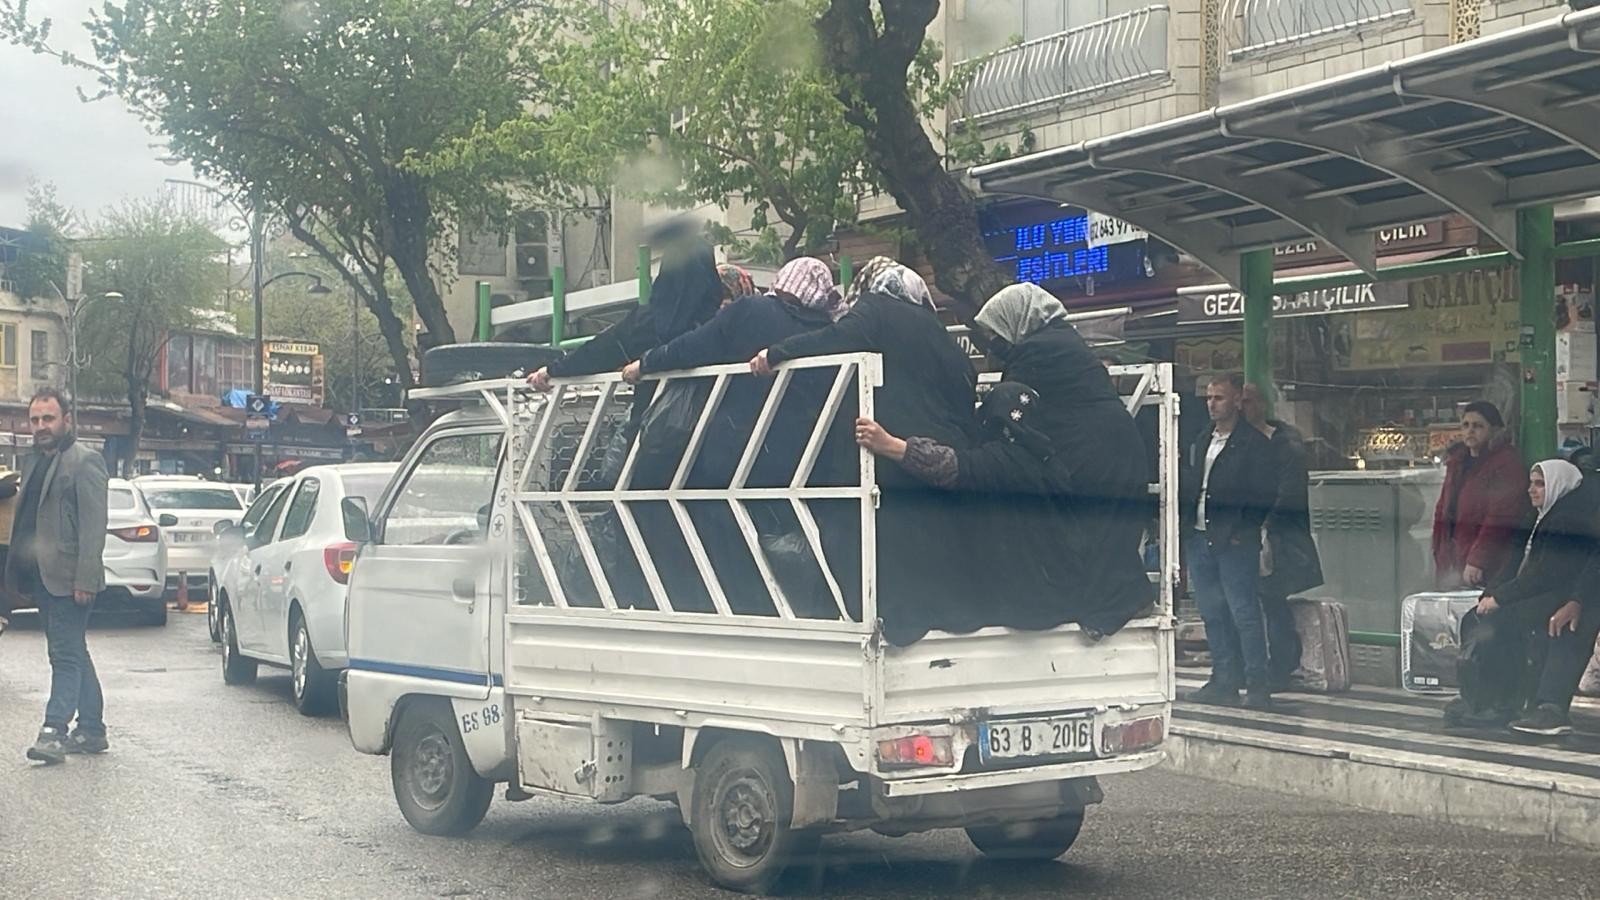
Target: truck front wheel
[1043, 839]
[743, 804]
[438, 790]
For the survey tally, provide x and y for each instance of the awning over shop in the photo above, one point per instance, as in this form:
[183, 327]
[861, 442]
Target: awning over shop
[1481, 129]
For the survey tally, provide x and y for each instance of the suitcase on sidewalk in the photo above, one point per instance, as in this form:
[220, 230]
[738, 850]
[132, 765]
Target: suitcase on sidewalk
[1324, 629]
[1430, 639]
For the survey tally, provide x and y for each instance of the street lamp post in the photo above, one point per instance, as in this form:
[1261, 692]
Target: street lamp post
[76, 307]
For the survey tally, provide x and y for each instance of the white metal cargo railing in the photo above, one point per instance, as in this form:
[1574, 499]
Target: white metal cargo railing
[557, 497]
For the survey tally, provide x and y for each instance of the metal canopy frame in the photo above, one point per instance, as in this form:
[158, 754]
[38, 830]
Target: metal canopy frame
[1483, 129]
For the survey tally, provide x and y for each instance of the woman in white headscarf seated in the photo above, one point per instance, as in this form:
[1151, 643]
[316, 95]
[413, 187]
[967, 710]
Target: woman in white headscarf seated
[1554, 600]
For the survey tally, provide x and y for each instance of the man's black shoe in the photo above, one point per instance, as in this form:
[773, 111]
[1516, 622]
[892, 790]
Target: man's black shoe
[1258, 698]
[1213, 693]
[1547, 720]
[81, 742]
[50, 747]
[1488, 718]
[1457, 711]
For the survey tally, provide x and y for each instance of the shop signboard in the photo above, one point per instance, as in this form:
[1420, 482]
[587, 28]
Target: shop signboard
[1463, 318]
[1219, 304]
[294, 372]
[1106, 230]
[1393, 239]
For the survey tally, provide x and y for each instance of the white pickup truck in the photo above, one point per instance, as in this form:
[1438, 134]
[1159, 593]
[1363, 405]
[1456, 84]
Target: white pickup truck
[502, 653]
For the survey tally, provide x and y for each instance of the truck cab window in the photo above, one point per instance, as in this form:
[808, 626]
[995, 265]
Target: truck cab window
[448, 492]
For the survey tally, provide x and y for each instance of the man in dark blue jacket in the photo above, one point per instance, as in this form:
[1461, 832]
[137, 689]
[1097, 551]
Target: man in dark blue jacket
[1229, 484]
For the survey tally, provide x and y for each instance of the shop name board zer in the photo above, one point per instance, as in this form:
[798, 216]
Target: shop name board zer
[1216, 305]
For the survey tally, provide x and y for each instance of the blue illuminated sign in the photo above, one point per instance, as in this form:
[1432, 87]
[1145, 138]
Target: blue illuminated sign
[1051, 251]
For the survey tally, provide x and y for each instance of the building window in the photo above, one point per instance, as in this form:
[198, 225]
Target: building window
[234, 365]
[39, 360]
[180, 363]
[8, 345]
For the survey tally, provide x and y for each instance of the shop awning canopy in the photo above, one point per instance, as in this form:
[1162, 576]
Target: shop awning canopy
[1483, 129]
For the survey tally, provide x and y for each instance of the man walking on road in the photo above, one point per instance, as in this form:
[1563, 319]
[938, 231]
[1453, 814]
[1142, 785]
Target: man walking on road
[58, 542]
[1289, 560]
[1228, 487]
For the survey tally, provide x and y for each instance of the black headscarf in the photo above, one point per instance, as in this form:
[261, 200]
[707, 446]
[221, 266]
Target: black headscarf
[1004, 414]
[687, 291]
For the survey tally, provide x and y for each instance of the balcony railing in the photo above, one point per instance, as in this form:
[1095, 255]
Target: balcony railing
[1105, 56]
[1264, 25]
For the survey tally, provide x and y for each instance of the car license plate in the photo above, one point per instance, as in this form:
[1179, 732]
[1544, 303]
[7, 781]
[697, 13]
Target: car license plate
[1068, 736]
[187, 538]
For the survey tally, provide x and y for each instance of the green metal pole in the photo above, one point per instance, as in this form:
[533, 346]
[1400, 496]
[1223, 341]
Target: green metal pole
[644, 274]
[1536, 238]
[558, 305]
[485, 307]
[1255, 277]
[847, 271]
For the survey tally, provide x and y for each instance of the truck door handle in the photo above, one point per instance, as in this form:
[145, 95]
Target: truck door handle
[464, 588]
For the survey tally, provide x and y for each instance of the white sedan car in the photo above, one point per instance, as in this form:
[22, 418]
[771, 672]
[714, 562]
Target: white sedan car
[199, 507]
[281, 580]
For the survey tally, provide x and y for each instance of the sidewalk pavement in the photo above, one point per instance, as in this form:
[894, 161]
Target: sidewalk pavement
[1387, 750]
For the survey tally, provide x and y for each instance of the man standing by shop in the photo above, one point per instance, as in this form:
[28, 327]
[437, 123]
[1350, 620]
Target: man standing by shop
[1229, 485]
[57, 543]
[1289, 560]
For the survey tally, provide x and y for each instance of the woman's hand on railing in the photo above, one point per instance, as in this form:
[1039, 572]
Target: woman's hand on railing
[540, 380]
[760, 366]
[632, 372]
[870, 435]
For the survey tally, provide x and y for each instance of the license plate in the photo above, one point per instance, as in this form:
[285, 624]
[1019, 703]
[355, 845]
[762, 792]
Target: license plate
[188, 538]
[1069, 736]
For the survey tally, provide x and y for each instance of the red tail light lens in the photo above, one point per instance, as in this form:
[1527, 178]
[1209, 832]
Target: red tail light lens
[1139, 734]
[915, 750]
[339, 559]
[138, 534]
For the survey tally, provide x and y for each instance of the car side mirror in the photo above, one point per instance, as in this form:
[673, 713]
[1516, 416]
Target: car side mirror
[483, 517]
[168, 520]
[230, 534]
[357, 522]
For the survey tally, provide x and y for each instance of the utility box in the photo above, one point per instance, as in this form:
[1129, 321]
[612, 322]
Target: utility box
[1374, 533]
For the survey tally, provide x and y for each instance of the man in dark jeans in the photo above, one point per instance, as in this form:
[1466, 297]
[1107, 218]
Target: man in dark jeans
[1229, 484]
[1289, 560]
[57, 547]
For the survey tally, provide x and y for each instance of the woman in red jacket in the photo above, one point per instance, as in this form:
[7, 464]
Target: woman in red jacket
[1483, 505]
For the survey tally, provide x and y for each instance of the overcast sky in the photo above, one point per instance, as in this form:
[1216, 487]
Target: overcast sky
[95, 153]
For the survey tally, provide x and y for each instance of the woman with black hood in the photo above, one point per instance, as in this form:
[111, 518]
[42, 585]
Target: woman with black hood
[928, 389]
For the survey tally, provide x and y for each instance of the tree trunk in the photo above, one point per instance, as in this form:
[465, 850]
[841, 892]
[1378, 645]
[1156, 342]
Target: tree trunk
[872, 67]
[136, 418]
[409, 246]
[374, 296]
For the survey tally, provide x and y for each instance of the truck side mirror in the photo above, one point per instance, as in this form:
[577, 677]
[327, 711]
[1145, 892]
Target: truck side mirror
[357, 523]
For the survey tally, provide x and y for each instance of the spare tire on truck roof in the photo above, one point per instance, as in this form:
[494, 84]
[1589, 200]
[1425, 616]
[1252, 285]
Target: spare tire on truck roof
[458, 363]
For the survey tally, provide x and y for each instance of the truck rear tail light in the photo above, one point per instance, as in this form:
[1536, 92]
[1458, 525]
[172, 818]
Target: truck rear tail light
[339, 560]
[137, 534]
[916, 750]
[1127, 737]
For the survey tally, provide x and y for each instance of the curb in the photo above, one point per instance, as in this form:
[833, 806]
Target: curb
[1507, 799]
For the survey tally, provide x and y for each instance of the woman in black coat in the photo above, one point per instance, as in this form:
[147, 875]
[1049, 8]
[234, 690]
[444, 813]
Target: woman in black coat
[1557, 569]
[928, 389]
[1098, 462]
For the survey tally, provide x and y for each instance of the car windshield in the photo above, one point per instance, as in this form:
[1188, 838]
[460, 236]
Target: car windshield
[121, 499]
[192, 498]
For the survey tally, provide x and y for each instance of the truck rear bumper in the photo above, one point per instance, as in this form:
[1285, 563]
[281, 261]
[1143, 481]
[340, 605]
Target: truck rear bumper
[945, 784]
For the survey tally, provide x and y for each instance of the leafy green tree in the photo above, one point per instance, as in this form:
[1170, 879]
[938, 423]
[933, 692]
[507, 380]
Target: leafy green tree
[166, 268]
[41, 266]
[316, 111]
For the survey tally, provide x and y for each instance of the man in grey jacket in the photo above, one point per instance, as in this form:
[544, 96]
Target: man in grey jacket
[58, 543]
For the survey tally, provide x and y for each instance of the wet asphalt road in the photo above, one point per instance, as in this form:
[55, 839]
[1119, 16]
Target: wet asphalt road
[211, 791]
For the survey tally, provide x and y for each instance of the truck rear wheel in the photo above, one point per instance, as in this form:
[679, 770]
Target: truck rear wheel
[743, 804]
[1039, 840]
[438, 790]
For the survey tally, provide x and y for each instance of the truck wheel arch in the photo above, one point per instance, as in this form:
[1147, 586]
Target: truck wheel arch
[812, 768]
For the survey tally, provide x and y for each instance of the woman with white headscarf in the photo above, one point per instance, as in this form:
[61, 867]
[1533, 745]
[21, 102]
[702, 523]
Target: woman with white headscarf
[929, 387]
[1101, 469]
[1553, 599]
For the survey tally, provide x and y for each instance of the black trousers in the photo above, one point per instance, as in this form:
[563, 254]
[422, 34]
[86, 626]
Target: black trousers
[1509, 660]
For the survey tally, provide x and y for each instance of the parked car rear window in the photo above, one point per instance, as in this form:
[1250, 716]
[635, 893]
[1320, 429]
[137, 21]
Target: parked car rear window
[121, 499]
[367, 487]
[192, 498]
